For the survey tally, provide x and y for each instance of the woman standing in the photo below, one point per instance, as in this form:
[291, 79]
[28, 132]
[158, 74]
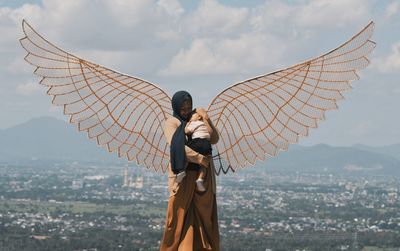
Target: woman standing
[192, 221]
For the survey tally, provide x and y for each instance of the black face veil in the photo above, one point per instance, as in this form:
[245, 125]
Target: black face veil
[178, 155]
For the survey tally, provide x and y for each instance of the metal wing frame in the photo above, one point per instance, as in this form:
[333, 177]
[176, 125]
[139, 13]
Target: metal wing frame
[123, 113]
[261, 116]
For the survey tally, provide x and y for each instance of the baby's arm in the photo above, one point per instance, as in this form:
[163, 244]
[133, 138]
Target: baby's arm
[205, 119]
[214, 133]
[209, 128]
[188, 129]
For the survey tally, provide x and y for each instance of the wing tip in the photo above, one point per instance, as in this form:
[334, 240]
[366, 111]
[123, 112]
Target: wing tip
[371, 23]
[25, 25]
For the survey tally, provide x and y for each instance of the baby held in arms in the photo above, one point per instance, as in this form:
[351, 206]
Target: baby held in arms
[200, 133]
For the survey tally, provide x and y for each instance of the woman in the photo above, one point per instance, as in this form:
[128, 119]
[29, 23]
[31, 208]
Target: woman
[192, 221]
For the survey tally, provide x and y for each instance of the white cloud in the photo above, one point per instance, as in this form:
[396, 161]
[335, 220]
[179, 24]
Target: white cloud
[18, 66]
[120, 34]
[168, 35]
[240, 55]
[172, 7]
[10, 24]
[363, 128]
[213, 18]
[389, 63]
[324, 13]
[285, 17]
[200, 58]
[239, 40]
[216, 38]
[272, 16]
[56, 109]
[102, 24]
[392, 9]
[29, 89]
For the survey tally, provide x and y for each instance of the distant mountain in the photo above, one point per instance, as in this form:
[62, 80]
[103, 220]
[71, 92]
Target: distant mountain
[392, 150]
[48, 138]
[327, 159]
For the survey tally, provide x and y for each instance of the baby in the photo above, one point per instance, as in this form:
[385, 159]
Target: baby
[200, 134]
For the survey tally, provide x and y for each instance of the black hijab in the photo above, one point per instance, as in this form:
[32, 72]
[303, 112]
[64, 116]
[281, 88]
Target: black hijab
[178, 155]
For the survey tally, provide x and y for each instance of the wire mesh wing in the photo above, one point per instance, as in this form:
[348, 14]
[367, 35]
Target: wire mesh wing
[124, 113]
[262, 115]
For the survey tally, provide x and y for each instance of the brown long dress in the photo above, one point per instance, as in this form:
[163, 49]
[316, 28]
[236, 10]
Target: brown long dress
[192, 222]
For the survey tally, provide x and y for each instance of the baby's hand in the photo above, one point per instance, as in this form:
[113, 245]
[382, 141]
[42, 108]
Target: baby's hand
[202, 112]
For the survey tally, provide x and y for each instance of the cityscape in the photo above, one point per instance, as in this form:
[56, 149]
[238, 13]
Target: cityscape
[70, 205]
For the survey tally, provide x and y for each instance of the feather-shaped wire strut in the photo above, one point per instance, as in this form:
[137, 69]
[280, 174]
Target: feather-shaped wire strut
[123, 113]
[262, 115]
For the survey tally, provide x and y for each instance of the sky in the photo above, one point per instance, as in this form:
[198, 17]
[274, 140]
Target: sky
[206, 45]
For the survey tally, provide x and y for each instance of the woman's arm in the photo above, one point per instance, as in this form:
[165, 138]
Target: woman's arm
[192, 156]
[214, 133]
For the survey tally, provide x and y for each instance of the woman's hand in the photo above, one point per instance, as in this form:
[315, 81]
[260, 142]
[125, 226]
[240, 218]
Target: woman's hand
[202, 112]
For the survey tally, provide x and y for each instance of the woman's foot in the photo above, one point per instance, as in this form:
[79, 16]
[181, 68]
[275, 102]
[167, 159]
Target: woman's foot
[200, 185]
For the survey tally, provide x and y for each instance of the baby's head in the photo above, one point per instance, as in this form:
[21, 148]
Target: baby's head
[195, 117]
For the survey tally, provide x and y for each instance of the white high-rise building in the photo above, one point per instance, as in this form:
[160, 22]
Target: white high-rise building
[126, 178]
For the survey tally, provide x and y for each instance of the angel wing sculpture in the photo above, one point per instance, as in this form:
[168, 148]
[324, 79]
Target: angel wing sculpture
[255, 118]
